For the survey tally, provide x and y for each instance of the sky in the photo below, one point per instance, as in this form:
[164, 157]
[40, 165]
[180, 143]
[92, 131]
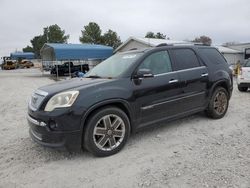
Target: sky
[221, 20]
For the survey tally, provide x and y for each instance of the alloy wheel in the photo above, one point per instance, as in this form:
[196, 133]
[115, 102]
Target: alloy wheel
[109, 132]
[220, 103]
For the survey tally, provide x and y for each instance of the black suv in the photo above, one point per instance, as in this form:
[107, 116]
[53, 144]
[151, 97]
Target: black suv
[127, 92]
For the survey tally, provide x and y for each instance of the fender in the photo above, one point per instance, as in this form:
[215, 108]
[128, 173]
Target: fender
[220, 83]
[108, 102]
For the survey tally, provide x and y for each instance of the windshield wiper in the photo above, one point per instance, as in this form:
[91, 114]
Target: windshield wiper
[93, 76]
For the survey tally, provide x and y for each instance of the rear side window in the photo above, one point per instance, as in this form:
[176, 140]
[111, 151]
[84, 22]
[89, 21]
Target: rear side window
[185, 59]
[212, 55]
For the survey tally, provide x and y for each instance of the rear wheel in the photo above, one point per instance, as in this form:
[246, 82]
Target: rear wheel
[106, 131]
[242, 88]
[218, 104]
[60, 73]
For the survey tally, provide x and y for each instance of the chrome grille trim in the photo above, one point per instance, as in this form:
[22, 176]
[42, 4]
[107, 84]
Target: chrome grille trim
[31, 107]
[36, 99]
[40, 92]
[36, 136]
[34, 121]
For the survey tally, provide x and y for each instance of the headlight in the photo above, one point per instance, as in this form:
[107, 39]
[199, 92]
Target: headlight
[60, 100]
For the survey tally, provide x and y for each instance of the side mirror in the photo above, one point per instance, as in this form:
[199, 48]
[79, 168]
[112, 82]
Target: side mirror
[144, 73]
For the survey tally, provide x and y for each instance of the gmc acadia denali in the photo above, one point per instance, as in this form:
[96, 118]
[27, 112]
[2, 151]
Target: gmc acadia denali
[128, 92]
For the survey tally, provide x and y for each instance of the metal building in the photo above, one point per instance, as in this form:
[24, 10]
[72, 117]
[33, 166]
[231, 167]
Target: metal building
[232, 56]
[60, 52]
[141, 43]
[54, 54]
[242, 47]
[22, 55]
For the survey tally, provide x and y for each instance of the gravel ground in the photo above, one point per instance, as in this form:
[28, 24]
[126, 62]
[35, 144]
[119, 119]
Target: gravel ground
[190, 152]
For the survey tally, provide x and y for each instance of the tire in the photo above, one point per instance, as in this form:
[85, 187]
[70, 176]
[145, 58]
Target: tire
[100, 137]
[218, 104]
[60, 73]
[243, 89]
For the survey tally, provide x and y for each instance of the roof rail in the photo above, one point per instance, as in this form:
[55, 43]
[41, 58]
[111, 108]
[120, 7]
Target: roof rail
[133, 49]
[163, 44]
[183, 44]
[201, 44]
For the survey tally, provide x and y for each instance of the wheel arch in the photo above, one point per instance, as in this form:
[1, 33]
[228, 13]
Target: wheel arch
[221, 83]
[119, 103]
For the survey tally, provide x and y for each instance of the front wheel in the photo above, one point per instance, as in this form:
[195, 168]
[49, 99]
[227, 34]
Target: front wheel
[106, 131]
[218, 104]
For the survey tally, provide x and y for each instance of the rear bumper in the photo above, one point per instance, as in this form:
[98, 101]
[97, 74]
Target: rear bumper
[242, 80]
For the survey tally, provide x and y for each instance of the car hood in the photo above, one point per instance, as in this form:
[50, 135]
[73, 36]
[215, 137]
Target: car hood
[72, 84]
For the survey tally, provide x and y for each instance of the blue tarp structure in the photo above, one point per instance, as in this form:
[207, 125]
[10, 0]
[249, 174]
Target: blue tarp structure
[22, 55]
[60, 52]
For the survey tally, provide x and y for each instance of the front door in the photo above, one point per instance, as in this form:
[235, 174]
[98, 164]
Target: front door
[157, 97]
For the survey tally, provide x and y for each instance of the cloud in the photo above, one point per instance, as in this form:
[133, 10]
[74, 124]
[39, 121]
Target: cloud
[224, 20]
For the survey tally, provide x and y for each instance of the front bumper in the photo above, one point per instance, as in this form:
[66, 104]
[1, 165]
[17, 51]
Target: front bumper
[59, 129]
[242, 84]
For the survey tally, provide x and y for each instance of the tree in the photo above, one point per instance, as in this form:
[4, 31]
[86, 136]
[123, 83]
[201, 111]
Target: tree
[51, 34]
[91, 34]
[158, 35]
[110, 38]
[37, 43]
[54, 34]
[204, 40]
[28, 49]
[150, 34]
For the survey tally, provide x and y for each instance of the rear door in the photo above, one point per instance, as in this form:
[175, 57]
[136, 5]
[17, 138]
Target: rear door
[193, 78]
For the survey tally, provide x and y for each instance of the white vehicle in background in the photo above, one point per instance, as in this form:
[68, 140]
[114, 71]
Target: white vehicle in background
[243, 78]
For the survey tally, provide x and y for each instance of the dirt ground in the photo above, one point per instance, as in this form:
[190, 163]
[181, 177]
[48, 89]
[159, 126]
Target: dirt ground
[190, 152]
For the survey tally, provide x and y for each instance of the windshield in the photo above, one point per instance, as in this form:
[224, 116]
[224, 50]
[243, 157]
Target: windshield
[114, 66]
[247, 64]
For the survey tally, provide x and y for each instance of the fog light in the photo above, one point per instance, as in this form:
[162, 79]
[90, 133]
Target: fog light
[53, 125]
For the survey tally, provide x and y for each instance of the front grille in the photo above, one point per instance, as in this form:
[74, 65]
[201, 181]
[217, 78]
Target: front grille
[37, 98]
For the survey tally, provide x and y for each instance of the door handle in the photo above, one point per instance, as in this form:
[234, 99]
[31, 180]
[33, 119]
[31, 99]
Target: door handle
[204, 74]
[173, 81]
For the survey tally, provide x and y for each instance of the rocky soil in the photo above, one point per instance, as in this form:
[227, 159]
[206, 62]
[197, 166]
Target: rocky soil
[191, 152]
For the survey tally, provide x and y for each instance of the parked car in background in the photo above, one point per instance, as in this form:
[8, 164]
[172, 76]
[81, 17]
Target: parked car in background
[9, 64]
[25, 64]
[47, 66]
[69, 67]
[128, 92]
[243, 78]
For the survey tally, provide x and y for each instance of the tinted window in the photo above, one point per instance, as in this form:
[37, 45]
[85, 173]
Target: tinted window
[185, 59]
[247, 64]
[212, 55]
[158, 63]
